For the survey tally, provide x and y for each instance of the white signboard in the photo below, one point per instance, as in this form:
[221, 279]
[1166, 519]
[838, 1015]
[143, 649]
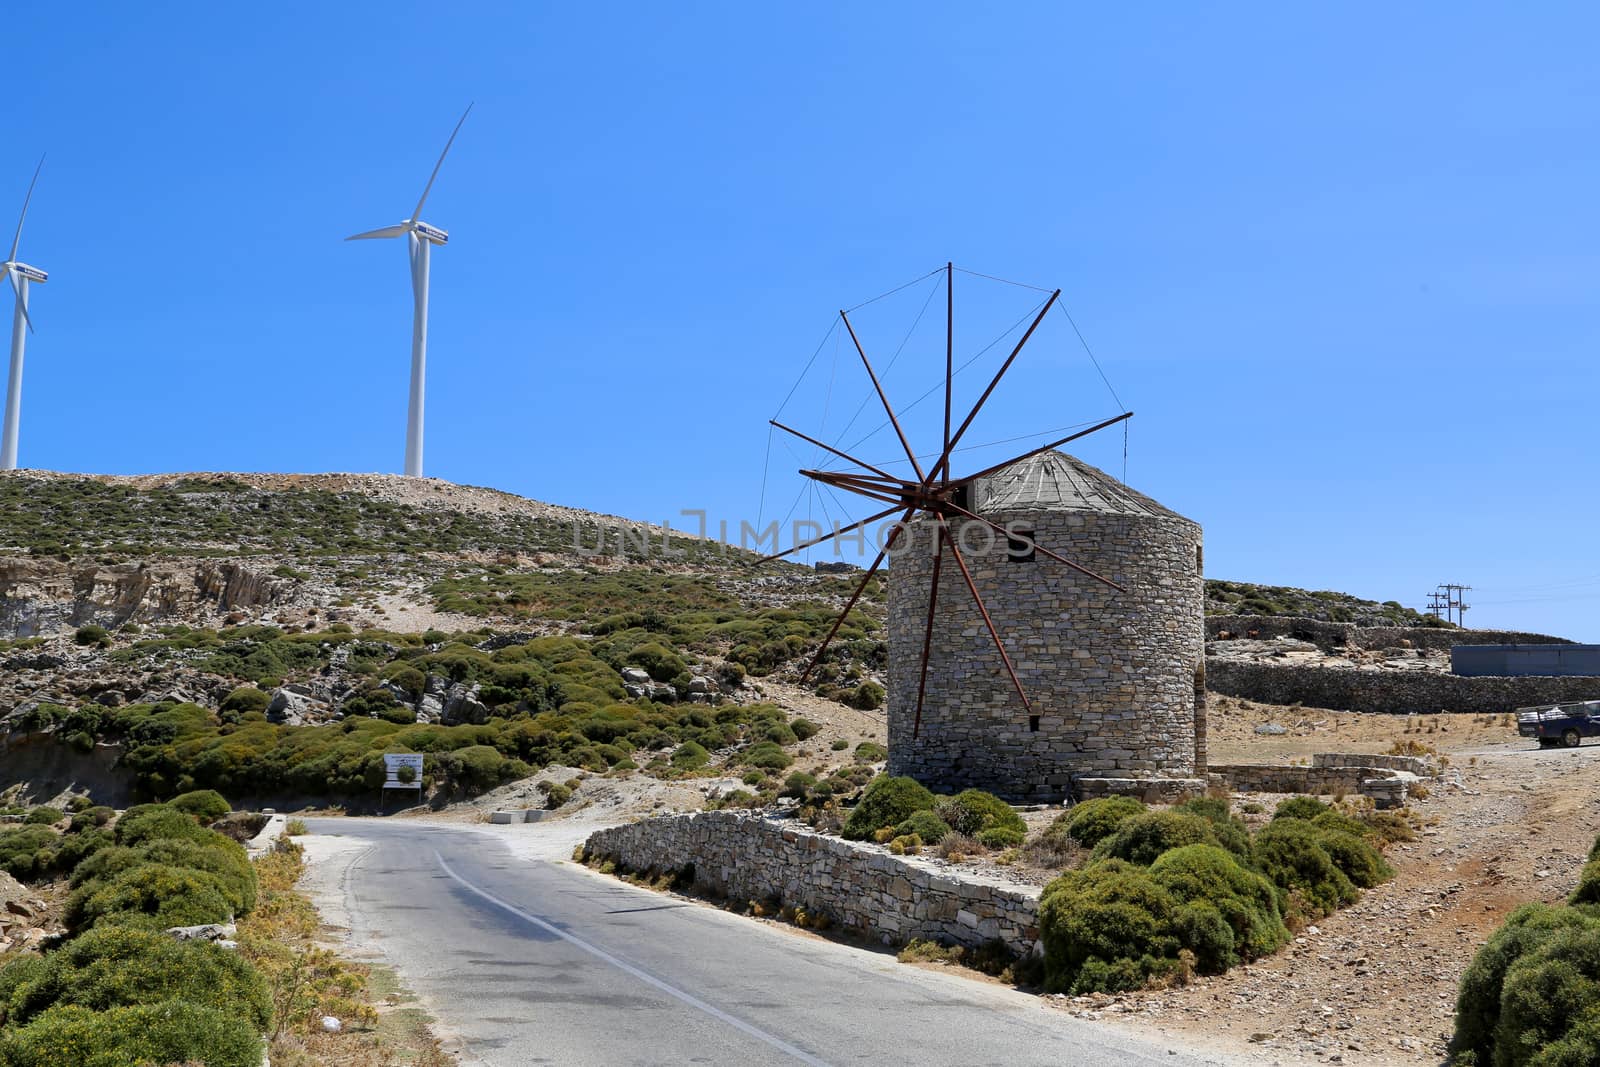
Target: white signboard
[395, 778]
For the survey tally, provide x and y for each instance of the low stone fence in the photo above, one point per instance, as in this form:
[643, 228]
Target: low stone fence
[1383, 778]
[862, 888]
[1332, 635]
[1404, 692]
[1421, 766]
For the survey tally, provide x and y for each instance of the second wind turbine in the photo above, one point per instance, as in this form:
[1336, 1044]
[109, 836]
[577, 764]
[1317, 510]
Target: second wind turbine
[420, 237]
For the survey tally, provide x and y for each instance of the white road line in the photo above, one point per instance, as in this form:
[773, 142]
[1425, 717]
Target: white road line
[644, 976]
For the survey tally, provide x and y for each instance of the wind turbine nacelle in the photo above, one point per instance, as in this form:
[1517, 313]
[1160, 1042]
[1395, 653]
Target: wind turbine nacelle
[33, 274]
[430, 233]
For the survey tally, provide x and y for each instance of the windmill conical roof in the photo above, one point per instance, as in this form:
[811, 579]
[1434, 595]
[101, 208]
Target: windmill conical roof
[1055, 481]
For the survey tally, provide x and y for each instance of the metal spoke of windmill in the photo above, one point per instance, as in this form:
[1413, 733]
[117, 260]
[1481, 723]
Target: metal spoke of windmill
[21, 276]
[935, 494]
[420, 237]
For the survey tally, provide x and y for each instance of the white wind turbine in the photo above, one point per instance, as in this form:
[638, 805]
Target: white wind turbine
[21, 276]
[420, 236]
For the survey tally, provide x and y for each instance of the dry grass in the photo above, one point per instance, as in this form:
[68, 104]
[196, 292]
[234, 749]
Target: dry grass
[309, 980]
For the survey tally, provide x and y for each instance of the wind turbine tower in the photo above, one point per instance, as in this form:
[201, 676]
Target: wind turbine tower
[420, 238]
[21, 276]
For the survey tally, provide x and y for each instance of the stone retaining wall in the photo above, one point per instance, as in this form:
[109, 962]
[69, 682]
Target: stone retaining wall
[1386, 786]
[1419, 692]
[1421, 766]
[1332, 635]
[862, 888]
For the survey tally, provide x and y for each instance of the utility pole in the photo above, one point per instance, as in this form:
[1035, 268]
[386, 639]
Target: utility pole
[1449, 595]
[1438, 602]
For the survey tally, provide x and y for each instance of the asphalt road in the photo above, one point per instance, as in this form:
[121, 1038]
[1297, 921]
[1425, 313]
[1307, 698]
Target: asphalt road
[529, 962]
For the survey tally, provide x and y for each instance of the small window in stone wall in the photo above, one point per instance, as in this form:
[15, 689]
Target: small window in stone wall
[1019, 545]
[1033, 723]
[1200, 559]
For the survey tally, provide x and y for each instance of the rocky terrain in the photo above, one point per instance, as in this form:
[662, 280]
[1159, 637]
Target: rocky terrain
[331, 600]
[1249, 598]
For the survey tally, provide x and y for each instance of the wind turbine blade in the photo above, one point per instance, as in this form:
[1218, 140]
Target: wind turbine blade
[417, 214]
[21, 302]
[387, 231]
[15, 241]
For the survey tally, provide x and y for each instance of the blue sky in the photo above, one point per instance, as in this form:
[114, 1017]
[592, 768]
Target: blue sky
[1342, 263]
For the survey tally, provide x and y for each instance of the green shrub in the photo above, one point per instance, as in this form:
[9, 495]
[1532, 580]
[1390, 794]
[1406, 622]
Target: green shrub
[871, 752]
[99, 815]
[206, 805]
[1307, 808]
[1232, 833]
[1107, 927]
[1246, 901]
[152, 897]
[44, 816]
[804, 729]
[661, 663]
[245, 700]
[886, 802]
[1142, 838]
[1355, 856]
[153, 821]
[112, 967]
[172, 1031]
[868, 696]
[925, 825]
[766, 755]
[556, 796]
[1087, 823]
[28, 852]
[1588, 888]
[780, 734]
[92, 635]
[1289, 852]
[690, 756]
[798, 785]
[1550, 1003]
[1481, 997]
[1001, 837]
[217, 856]
[973, 811]
[839, 744]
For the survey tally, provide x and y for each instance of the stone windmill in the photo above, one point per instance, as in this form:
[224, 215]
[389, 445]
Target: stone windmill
[1012, 667]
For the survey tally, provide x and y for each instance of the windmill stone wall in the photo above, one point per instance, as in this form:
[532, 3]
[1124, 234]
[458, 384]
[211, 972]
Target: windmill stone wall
[1115, 679]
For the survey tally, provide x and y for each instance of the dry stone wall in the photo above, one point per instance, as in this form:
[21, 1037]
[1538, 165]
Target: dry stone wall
[1337, 635]
[1406, 692]
[1115, 677]
[863, 889]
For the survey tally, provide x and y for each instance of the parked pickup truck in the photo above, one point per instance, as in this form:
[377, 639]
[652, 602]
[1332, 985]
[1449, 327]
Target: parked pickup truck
[1560, 724]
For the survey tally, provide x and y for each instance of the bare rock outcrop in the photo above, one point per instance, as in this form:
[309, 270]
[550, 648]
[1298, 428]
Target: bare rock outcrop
[44, 596]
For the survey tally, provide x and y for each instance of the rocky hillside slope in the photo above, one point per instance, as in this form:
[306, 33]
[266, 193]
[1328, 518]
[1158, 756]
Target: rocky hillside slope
[1248, 598]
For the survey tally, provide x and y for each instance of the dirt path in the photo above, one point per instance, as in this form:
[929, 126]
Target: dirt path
[1376, 983]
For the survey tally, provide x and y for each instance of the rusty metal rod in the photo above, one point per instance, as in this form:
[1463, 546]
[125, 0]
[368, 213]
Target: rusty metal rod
[835, 451]
[944, 460]
[1038, 547]
[844, 530]
[949, 354]
[972, 587]
[885, 496]
[1045, 448]
[912, 456]
[851, 603]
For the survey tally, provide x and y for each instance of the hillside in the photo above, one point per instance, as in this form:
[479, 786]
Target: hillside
[1248, 598]
[273, 635]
